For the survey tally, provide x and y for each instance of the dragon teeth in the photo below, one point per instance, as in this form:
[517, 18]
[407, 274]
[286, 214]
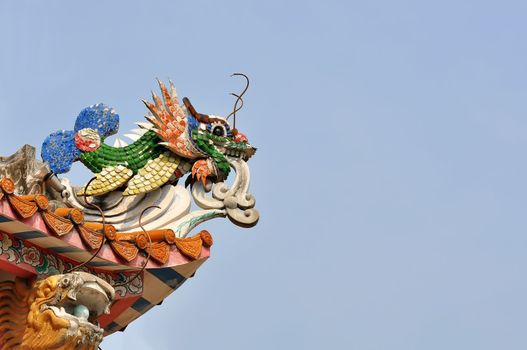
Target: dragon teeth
[233, 153]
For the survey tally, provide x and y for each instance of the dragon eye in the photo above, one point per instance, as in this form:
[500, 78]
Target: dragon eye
[65, 282]
[218, 131]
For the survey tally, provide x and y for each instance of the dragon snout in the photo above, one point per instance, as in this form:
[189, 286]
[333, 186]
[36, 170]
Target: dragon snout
[242, 140]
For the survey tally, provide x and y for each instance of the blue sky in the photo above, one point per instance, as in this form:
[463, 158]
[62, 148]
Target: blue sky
[390, 174]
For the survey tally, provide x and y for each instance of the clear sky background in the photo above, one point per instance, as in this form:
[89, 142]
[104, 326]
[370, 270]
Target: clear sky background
[390, 174]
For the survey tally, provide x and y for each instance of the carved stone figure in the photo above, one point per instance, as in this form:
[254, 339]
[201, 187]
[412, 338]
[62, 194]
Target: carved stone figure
[57, 312]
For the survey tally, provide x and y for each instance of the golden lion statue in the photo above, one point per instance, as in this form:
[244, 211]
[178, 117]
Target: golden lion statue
[58, 312]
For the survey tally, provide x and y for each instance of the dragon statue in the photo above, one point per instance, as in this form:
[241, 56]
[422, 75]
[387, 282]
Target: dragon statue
[175, 140]
[58, 312]
[80, 263]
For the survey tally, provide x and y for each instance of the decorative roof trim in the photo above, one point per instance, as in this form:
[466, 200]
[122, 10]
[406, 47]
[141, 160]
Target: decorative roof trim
[126, 245]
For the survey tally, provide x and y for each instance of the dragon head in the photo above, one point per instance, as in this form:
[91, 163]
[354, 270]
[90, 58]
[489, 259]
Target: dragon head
[58, 312]
[214, 136]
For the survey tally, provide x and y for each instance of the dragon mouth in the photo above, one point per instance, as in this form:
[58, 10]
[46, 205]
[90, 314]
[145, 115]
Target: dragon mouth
[244, 154]
[88, 298]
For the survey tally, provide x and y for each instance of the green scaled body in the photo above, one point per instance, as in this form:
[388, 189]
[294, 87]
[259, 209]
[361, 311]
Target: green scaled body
[203, 141]
[134, 156]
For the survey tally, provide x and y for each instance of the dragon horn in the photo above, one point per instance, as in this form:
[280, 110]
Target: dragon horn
[202, 118]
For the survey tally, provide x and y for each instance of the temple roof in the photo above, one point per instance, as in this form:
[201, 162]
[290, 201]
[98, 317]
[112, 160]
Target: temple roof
[143, 266]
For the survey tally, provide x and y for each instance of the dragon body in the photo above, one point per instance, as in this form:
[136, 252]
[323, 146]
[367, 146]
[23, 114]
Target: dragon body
[174, 141]
[133, 156]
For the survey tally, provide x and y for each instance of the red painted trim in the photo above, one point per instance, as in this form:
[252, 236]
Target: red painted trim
[21, 270]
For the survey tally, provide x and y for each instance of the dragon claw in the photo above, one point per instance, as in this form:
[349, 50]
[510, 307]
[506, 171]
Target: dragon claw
[201, 170]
